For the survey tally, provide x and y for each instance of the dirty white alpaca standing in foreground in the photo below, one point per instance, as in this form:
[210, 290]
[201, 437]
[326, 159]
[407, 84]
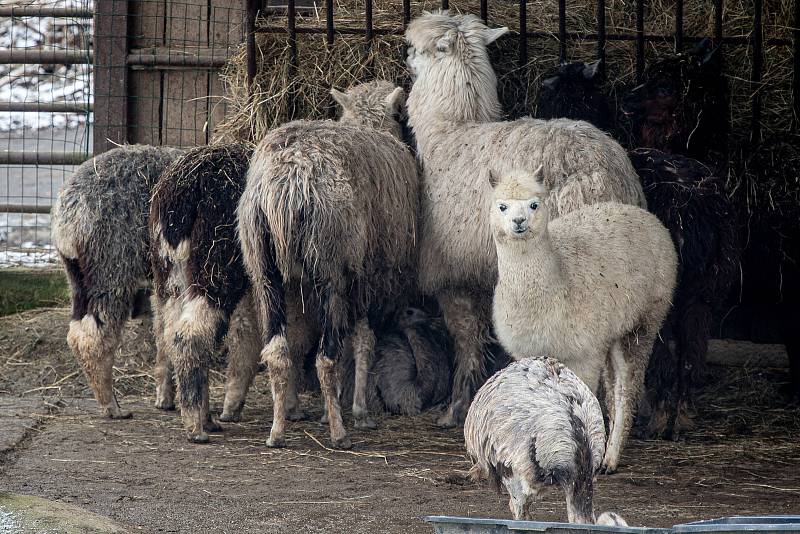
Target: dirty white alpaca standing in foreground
[535, 424]
[335, 204]
[453, 110]
[591, 288]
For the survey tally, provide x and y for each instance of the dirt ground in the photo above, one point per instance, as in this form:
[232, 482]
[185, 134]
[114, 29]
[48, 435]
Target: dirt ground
[743, 457]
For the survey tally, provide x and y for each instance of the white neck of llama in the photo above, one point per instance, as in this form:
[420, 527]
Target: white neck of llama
[452, 91]
[535, 265]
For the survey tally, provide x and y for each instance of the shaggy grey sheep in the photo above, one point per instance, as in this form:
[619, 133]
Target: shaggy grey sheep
[100, 232]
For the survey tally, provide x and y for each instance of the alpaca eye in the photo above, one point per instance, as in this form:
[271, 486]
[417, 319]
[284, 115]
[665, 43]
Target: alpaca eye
[502, 207]
[534, 205]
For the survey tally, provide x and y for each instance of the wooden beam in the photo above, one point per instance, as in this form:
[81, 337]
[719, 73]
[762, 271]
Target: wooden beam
[110, 74]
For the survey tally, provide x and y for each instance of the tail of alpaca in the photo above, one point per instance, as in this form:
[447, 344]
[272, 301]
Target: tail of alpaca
[304, 217]
[258, 253]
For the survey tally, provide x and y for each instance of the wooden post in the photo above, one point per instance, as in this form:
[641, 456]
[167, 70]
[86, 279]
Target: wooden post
[110, 74]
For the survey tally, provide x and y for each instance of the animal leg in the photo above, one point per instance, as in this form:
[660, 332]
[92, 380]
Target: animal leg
[363, 354]
[469, 328]
[616, 395]
[276, 356]
[243, 356]
[94, 343]
[165, 385]
[693, 332]
[629, 358]
[662, 379]
[197, 336]
[791, 338]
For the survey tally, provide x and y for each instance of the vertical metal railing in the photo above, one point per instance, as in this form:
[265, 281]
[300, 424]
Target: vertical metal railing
[758, 62]
[639, 40]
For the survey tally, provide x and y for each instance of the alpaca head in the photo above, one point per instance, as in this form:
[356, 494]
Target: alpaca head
[681, 106]
[574, 91]
[518, 210]
[376, 105]
[410, 316]
[450, 66]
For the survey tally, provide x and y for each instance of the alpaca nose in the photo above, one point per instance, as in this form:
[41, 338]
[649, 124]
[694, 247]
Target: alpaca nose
[518, 220]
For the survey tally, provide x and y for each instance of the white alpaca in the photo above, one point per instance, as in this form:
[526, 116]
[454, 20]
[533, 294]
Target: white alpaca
[534, 424]
[591, 288]
[453, 109]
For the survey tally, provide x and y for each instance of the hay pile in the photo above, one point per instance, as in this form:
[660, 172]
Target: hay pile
[348, 63]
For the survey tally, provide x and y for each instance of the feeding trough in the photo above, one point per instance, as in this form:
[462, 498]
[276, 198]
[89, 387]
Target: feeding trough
[735, 524]
[471, 525]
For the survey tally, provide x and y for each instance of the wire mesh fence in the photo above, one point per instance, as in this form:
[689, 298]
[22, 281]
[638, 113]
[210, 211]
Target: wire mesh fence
[45, 117]
[180, 72]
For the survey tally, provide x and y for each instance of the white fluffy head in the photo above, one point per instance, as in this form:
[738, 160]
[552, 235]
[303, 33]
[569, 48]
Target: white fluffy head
[450, 66]
[376, 105]
[518, 210]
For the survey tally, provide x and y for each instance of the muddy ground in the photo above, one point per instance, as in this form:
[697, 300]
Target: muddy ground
[743, 457]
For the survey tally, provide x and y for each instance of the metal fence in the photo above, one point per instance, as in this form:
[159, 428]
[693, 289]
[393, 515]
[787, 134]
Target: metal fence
[150, 69]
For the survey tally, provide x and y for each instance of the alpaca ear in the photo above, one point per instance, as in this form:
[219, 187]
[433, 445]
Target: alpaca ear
[538, 175]
[493, 179]
[395, 100]
[591, 71]
[551, 83]
[341, 98]
[445, 43]
[490, 35]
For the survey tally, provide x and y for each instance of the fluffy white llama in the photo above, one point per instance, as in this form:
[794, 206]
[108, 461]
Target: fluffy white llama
[453, 111]
[533, 424]
[591, 288]
[335, 204]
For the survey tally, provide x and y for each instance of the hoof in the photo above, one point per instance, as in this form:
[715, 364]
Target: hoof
[606, 470]
[298, 415]
[277, 443]
[212, 426]
[198, 438]
[447, 421]
[324, 419]
[342, 443]
[119, 414]
[365, 423]
[233, 417]
[166, 406]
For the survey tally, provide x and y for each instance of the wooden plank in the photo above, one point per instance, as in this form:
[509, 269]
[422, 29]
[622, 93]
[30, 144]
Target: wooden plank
[185, 93]
[147, 22]
[144, 107]
[216, 104]
[110, 74]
